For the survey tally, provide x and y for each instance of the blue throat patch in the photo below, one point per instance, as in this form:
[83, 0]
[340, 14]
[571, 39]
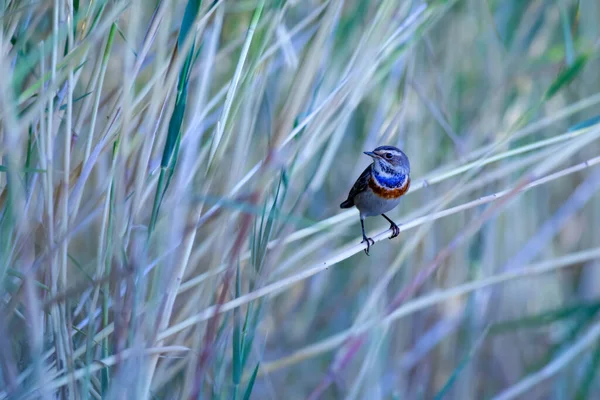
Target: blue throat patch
[390, 181]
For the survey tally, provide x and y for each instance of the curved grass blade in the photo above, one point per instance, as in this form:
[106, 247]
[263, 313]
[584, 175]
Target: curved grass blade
[236, 339]
[235, 82]
[4, 168]
[171, 149]
[544, 318]
[248, 332]
[585, 124]
[566, 27]
[584, 391]
[251, 383]
[566, 76]
[444, 391]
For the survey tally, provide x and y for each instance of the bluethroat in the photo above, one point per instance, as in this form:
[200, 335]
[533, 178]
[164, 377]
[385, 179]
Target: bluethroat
[379, 188]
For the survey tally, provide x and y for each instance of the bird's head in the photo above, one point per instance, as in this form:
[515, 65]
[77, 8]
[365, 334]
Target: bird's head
[390, 157]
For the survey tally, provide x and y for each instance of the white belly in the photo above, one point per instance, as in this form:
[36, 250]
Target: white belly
[370, 204]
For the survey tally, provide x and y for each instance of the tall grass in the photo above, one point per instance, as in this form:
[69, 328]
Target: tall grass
[171, 172]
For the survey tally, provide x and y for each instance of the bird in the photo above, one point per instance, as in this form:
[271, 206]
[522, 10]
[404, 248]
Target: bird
[379, 188]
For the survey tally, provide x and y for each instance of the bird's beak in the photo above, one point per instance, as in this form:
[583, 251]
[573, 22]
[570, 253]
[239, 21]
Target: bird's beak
[371, 154]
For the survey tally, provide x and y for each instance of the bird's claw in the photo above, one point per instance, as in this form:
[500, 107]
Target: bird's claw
[395, 230]
[369, 243]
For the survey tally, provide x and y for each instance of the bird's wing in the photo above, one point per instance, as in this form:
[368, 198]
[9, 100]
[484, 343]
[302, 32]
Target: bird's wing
[360, 185]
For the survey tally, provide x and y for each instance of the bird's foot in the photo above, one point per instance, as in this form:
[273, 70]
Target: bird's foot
[395, 230]
[369, 243]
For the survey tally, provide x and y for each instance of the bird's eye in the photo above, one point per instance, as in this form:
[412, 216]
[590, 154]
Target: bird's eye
[388, 156]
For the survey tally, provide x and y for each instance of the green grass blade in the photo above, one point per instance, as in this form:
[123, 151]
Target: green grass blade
[566, 76]
[171, 149]
[236, 337]
[4, 168]
[545, 318]
[189, 16]
[251, 383]
[250, 331]
[455, 374]
[231, 93]
[584, 391]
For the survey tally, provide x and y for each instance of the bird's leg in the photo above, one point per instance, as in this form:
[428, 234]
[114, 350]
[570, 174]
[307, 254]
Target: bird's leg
[365, 238]
[393, 227]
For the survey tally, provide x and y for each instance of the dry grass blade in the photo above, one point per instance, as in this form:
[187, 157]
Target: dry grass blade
[279, 286]
[431, 300]
[588, 340]
[170, 175]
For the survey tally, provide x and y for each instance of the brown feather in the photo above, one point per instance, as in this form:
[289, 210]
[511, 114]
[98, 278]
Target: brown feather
[389, 193]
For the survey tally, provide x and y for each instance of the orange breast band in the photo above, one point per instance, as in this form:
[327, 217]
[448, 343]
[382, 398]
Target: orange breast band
[389, 193]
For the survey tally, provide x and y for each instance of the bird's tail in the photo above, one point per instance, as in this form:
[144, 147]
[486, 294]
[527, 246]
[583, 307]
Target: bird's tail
[347, 204]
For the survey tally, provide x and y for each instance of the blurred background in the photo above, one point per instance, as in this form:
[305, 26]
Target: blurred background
[170, 181]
